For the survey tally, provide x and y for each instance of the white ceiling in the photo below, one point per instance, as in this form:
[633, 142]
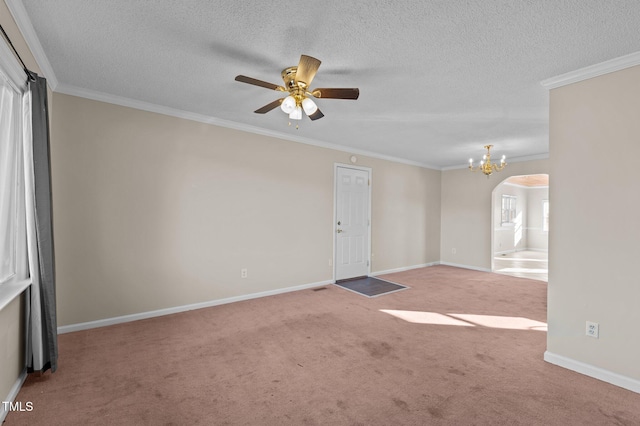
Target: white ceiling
[438, 79]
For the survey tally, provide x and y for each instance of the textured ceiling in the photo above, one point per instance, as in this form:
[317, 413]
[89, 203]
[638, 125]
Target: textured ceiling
[529, 180]
[438, 79]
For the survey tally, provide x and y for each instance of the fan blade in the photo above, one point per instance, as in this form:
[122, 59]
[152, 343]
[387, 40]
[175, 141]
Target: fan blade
[269, 107]
[256, 82]
[307, 69]
[336, 93]
[316, 115]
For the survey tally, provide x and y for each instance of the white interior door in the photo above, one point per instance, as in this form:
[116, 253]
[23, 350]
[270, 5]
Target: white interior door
[352, 223]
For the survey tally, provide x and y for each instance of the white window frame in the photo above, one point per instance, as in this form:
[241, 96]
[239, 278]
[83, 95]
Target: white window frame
[10, 148]
[508, 214]
[12, 74]
[545, 215]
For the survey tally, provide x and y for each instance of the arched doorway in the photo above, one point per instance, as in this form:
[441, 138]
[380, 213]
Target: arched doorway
[520, 227]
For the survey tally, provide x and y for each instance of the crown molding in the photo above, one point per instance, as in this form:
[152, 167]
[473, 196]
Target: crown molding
[596, 70]
[23, 22]
[534, 157]
[511, 160]
[173, 112]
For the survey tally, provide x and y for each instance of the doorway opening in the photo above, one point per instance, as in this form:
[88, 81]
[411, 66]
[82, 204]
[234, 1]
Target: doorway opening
[520, 227]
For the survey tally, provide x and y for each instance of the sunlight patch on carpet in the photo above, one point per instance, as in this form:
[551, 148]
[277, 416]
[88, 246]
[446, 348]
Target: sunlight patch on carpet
[433, 318]
[468, 320]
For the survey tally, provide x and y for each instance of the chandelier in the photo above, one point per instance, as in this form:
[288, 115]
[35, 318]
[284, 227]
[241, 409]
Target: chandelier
[485, 165]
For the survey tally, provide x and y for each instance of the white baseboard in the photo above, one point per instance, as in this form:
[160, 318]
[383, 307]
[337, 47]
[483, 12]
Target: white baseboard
[405, 268]
[13, 393]
[592, 371]
[457, 265]
[174, 310]
[500, 253]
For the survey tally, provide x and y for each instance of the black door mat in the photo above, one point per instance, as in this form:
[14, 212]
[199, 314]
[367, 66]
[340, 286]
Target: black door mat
[370, 287]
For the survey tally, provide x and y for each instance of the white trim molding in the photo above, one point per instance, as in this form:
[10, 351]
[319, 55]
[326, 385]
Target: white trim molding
[473, 268]
[9, 64]
[593, 371]
[10, 291]
[176, 309]
[405, 268]
[23, 22]
[596, 70]
[13, 393]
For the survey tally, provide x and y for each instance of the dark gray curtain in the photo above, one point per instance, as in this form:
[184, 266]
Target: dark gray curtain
[42, 326]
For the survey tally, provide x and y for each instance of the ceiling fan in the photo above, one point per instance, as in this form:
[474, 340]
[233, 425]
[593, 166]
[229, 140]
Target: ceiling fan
[297, 81]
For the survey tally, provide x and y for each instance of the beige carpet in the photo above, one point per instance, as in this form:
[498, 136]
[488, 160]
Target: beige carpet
[458, 348]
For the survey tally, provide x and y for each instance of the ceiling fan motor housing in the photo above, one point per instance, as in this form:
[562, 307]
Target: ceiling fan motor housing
[289, 77]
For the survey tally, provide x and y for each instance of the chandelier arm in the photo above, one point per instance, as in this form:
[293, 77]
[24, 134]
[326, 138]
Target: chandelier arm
[485, 165]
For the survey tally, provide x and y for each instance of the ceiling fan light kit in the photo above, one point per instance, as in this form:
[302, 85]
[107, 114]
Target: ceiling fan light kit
[297, 81]
[288, 105]
[309, 106]
[296, 114]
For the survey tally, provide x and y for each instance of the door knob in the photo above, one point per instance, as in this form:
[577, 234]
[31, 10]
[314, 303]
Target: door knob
[339, 231]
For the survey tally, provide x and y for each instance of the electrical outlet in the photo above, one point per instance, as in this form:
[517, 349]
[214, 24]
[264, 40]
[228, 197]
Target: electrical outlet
[243, 273]
[593, 329]
[453, 251]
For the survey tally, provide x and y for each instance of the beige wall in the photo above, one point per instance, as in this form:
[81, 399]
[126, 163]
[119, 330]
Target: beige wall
[11, 345]
[466, 212]
[153, 212]
[405, 216]
[593, 276]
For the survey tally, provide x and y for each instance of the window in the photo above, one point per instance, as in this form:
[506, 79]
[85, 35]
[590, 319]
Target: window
[508, 209]
[9, 147]
[13, 257]
[545, 215]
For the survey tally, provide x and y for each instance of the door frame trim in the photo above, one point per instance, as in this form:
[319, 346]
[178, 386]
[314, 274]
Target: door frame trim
[369, 170]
